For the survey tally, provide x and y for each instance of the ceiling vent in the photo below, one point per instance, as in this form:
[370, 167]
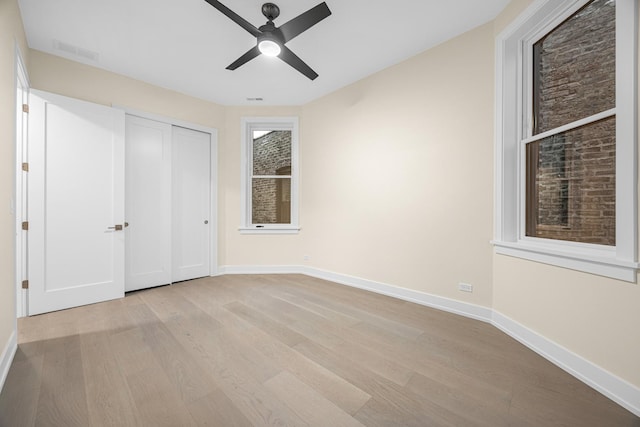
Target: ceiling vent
[79, 52]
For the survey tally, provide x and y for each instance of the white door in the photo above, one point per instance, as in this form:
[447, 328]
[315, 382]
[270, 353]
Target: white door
[76, 203]
[148, 203]
[191, 179]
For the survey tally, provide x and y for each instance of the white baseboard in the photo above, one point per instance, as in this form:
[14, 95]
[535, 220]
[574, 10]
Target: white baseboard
[7, 357]
[260, 269]
[616, 389]
[441, 303]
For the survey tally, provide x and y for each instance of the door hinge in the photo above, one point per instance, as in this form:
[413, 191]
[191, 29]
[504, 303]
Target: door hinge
[25, 108]
[25, 284]
[25, 167]
[25, 225]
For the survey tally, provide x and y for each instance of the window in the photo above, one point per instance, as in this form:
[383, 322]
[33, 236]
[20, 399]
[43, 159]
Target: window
[269, 175]
[566, 136]
[571, 144]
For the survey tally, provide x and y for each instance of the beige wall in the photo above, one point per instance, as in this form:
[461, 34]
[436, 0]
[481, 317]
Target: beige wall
[54, 74]
[594, 317]
[510, 13]
[248, 250]
[397, 177]
[11, 31]
[590, 315]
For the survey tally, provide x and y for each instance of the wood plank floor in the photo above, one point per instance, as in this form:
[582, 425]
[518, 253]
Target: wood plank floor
[283, 350]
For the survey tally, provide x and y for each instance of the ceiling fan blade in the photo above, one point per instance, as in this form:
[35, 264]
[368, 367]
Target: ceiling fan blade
[252, 53]
[304, 21]
[292, 59]
[235, 17]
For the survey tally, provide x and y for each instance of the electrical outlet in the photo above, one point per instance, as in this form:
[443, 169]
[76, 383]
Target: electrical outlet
[465, 287]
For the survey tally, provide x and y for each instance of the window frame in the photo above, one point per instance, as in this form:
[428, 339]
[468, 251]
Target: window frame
[248, 126]
[514, 85]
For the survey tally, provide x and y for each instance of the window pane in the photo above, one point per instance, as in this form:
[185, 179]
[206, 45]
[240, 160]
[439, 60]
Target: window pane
[271, 201]
[571, 192]
[271, 152]
[574, 68]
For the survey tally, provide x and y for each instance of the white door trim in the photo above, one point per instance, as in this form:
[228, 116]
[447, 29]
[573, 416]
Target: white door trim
[213, 237]
[18, 205]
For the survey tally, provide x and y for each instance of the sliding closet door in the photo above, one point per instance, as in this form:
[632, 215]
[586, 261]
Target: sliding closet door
[148, 203]
[191, 178]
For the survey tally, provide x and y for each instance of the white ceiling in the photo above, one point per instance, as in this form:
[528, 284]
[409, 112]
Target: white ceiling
[185, 45]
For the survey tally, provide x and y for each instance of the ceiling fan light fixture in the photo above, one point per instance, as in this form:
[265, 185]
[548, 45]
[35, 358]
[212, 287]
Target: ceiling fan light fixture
[272, 40]
[269, 47]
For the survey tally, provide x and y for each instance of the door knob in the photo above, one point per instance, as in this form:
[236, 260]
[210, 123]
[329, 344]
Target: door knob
[206, 221]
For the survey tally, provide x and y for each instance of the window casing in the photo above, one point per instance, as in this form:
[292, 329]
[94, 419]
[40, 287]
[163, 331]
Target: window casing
[269, 200]
[523, 143]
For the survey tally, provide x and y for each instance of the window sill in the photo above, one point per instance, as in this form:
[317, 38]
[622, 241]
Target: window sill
[270, 229]
[601, 262]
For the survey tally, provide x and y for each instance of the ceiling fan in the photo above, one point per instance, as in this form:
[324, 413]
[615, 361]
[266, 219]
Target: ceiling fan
[271, 39]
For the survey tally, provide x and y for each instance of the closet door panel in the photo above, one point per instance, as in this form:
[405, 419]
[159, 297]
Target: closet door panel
[148, 203]
[191, 181]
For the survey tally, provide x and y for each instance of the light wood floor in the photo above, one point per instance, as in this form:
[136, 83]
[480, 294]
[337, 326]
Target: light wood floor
[283, 350]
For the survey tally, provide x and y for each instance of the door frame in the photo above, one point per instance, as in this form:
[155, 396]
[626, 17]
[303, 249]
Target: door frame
[213, 183]
[18, 203]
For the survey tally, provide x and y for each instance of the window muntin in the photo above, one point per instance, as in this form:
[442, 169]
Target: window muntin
[570, 167]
